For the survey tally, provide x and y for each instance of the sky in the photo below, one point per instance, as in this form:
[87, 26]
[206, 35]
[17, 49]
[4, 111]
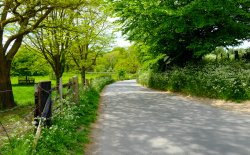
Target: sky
[245, 44]
[122, 42]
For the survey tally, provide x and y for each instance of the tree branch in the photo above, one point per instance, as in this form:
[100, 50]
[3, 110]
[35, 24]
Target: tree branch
[25, 32]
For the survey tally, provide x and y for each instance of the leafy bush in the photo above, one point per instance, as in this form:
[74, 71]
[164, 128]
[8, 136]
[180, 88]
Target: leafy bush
[224, 80]
[99, 83]
[70, 126]
[121, 74]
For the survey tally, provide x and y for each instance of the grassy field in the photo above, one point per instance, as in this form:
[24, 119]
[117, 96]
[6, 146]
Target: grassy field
[24, 95]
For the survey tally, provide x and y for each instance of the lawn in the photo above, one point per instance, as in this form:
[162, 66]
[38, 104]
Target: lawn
[24, 95]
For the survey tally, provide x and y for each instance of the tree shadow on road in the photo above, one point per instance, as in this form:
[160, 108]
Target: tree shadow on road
[137, 120]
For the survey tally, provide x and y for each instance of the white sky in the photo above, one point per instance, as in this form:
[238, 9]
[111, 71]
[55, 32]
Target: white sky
[245, 44]
[122, 42]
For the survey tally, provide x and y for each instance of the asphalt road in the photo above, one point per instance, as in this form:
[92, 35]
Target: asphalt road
[138, 121]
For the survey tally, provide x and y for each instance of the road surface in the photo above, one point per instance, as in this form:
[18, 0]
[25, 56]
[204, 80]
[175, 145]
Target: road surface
[138, 121]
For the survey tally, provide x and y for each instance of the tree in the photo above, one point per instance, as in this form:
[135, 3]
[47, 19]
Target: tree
[92, 37]
[108, 61]
[119, 59]
[184, 30]
[18, 18]
[126, 59]
[28, 63]
[53, 40]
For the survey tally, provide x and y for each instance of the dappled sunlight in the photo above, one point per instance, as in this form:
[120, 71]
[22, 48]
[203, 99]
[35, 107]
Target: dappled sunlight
[137, 120]
[131, 92]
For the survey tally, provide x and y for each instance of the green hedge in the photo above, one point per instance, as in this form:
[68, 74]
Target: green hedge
[228, 80]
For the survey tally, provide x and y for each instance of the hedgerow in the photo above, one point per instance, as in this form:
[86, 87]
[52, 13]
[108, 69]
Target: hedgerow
[222, 80]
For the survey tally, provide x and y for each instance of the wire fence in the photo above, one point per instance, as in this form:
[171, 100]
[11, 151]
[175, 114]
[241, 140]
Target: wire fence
[11, 129]
[40, 114]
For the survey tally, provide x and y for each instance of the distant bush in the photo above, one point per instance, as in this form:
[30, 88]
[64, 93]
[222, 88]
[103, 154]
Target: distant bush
[99, 83]
[224, 80]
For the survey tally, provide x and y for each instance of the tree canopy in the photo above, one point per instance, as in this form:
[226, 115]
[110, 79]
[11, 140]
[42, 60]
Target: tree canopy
[53, 40]
[28, 63]
[119, 59]
[92, 36]
[184, 29]
[17, 19]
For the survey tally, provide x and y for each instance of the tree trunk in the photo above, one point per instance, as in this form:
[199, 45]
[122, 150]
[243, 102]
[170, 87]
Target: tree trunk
[83, 75]
[58, 75]
[58, 69]
[57, 82]
[6, 94]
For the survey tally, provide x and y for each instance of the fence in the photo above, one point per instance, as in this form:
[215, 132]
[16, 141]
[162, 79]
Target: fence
[43, 108]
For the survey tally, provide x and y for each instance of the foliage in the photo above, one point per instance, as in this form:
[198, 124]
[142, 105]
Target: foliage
[19, 18]
[28, 63]
[70, 127]
[99, 83]
[119, 59]
[224, 80]
[121, 74]
[184, 30]
[92, 36]
[53, 40]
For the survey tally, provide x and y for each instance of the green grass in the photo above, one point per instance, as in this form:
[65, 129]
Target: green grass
[15, 115]
[24, 98]
[70, 128]
[24, 95]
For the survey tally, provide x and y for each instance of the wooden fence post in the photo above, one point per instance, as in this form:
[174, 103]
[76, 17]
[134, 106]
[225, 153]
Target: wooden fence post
[43, 96]
[36, 112]
[75, 89]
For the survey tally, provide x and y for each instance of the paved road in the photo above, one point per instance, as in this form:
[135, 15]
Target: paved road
[138, 121]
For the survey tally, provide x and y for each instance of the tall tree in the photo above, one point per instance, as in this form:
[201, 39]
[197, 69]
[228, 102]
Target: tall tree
[92, 36]
[119, 59]
[184, 30]
[17, 19]
[53, 40]
[28, 63]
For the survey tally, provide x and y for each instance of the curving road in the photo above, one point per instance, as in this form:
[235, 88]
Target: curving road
[138, 121]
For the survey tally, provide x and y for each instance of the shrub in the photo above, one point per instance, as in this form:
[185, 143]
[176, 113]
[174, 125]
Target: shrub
[99, 83]
[224, 80]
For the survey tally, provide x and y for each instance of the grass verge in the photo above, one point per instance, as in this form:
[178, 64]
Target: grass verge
[70, 128]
